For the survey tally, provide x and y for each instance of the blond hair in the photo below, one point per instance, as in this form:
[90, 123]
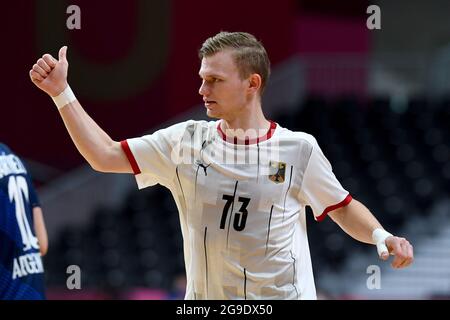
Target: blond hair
[250, 55]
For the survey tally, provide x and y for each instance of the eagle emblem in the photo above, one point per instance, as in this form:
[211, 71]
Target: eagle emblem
[277, 171]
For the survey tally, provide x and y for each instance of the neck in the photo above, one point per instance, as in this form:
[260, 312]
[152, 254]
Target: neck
[250, 123]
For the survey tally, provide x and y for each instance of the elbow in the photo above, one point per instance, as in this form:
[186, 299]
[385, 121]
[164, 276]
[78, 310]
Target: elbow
[99, 166]
[339, 214]
[43, 250]
[43, 244]
[96, 167]
[103, 160]
[102, 168]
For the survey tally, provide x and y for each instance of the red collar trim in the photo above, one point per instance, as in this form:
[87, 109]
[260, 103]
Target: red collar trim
[247, 141]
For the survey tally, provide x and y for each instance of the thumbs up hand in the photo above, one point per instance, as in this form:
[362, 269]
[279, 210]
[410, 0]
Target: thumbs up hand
[49, 74]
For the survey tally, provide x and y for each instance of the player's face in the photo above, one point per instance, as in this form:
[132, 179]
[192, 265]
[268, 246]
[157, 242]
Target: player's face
[224, 93]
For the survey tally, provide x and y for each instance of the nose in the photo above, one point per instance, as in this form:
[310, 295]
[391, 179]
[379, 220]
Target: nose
[203, 90]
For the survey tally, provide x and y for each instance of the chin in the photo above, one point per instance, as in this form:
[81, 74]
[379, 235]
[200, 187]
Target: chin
[212, 114]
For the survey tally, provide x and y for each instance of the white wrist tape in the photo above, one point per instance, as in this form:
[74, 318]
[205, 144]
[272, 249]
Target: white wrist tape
[64, 98]
[379, 236]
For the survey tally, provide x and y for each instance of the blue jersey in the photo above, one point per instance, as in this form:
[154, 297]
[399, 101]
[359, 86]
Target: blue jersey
[21, 268]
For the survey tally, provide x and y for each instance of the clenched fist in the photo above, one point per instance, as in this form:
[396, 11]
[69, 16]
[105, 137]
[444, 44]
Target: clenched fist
[49, 74]
[402, 251]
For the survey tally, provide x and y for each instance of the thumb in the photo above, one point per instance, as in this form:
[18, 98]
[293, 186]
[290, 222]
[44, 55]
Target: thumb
[62, 54]
[383, 251]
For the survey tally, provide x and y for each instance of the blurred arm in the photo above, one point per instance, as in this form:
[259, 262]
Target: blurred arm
[40, 230]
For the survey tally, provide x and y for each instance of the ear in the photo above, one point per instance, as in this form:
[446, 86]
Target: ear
[255, 82]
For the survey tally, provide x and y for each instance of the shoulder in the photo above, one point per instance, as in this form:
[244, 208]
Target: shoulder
[302, 138]
[194, 125]
[190, 125]
[5, 148]
[181, 130]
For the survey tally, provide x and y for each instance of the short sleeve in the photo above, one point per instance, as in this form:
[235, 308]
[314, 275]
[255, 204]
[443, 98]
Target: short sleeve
[320, 188]
[153, 157]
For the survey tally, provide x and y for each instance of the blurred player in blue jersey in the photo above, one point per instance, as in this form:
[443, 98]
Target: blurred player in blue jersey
[23, 237]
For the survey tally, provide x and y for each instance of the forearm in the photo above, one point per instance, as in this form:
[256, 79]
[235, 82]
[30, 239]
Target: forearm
[102, 153]
[357, 221]
[91, 141]
[40, 230]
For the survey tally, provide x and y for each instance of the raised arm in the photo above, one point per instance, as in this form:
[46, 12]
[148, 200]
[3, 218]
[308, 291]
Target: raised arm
[357, 221]
[94, 144]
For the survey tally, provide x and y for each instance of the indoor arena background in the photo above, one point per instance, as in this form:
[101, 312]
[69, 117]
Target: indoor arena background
[376, 100]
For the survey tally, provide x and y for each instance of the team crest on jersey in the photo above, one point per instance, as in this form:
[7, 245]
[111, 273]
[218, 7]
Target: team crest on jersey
[277, 170]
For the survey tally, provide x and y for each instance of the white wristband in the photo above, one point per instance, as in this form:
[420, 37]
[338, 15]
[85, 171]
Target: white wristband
[379, 236]
[64, 98]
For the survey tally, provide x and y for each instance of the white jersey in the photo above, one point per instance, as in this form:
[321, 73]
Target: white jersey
[241, 206]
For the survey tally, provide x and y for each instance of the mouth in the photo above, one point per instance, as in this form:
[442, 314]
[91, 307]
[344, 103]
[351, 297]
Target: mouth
[210, 103]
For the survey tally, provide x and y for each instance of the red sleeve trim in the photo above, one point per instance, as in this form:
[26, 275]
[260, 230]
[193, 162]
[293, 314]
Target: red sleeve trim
[129, 154]
[341, 204]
